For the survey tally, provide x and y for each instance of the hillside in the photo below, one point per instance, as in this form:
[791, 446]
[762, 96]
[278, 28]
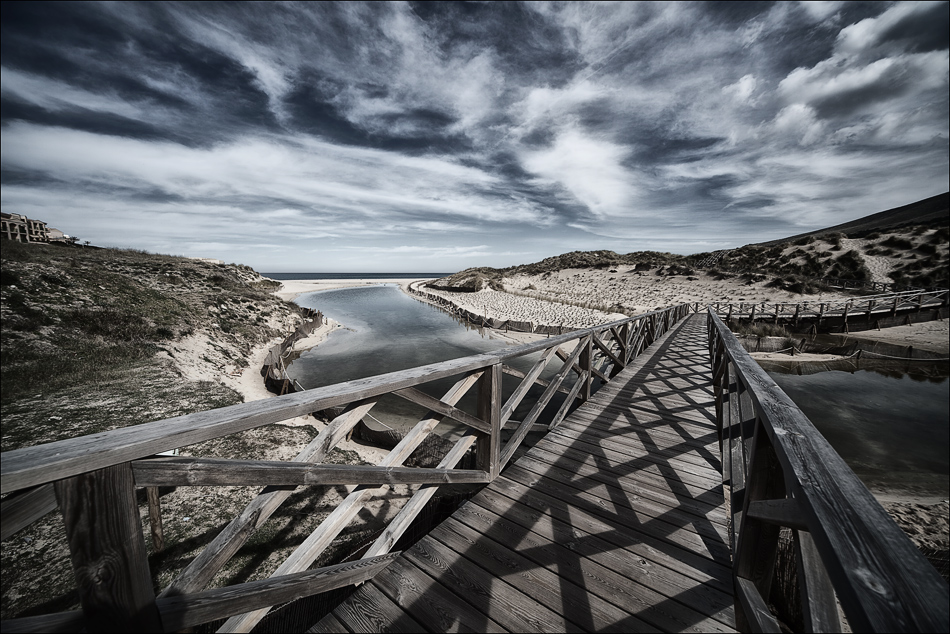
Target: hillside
[94, 339]
[133, 328]
[904, 247]
[929, 212]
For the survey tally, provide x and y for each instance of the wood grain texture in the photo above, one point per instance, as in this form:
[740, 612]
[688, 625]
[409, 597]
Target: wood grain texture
[569, 537]
[180, 612]
[24, 508]
[107, 550]
[881, 579]
[162, 471]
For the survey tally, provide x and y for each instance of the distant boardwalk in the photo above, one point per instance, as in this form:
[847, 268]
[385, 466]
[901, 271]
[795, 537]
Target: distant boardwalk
[615, 521]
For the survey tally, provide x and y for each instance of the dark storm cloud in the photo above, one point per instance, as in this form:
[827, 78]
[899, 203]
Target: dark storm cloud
[436, 129]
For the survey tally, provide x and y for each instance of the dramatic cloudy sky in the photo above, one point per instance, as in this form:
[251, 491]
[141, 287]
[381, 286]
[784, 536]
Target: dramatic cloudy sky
[433, 137]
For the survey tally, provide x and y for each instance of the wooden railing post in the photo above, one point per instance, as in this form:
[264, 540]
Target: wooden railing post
[488, 446]
[107, 549]
[586, 363]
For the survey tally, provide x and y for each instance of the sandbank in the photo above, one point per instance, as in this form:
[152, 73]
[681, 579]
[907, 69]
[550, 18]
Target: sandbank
[292, 289]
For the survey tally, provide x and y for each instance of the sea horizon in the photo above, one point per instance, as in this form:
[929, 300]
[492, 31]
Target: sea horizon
[349, 276]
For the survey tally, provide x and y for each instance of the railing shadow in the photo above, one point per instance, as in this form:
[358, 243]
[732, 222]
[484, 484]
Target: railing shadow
[614, 521]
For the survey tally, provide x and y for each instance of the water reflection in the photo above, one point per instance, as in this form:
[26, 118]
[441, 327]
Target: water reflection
[388, 331]
[890, 421]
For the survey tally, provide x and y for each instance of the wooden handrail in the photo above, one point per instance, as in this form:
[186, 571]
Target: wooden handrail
[780, 471]
[30, 466]
[103, 470]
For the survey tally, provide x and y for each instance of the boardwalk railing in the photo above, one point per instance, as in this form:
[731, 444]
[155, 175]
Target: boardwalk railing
[92, 479]
[779, 472]
[868, 308]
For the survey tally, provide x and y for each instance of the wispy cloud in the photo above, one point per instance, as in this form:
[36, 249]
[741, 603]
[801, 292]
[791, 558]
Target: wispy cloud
[444, 135]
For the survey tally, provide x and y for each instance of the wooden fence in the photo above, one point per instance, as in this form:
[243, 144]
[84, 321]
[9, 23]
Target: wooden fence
[92, 480]
[779, 472]
[864, 312]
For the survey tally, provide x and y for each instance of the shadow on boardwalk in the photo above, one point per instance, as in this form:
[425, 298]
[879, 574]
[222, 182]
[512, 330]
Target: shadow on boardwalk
[615, 521]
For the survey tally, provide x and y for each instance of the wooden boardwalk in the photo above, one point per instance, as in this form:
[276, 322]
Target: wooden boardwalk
[614, 521]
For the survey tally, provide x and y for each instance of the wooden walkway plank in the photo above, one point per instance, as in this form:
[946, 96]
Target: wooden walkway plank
[612, 584]
[615, 550]
[701, 504]
[433, 604]
[580, 609]
[607, 486]
[695, 565]
[692, 459]
[613, 521]
[515, 612]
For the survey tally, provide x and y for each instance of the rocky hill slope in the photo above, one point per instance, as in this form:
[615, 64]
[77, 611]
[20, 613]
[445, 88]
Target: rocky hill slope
[94, 339]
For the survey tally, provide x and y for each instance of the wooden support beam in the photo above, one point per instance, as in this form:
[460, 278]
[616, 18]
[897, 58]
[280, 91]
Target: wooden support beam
[202, 568]
[488, 446]
[107, 550]
[515, 440]
[340, 517]
[603, 348]
[819, 607]
[408, 513]
[566, 405]
[418, 397]
[516, 397]
[779, 512]
[187, 611]
[221, 472]
[155, 519]
[25, 507]
[755, 609]
[587, 366]
[515, 372]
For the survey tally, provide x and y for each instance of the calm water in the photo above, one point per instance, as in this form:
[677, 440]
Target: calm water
[353, 276]
[892, 428]
[386, 330]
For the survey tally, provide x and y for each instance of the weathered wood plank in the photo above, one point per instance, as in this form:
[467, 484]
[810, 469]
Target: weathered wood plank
[180, 612]
[341, 516]
[418, 397]
[538, 505]
[513, 610]
[585, 611]
[431, 603]
[162, 471]
[408, 513]
[518, 395]
[702, 504]
[488, 446]
[328, 625]
[107, 550]
[626, 552]
[372, 611]
[615, 584]
[202, 568]
[24, 508]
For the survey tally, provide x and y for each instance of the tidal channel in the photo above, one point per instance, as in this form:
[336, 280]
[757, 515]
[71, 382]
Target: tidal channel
[890, 422]
[384, 331]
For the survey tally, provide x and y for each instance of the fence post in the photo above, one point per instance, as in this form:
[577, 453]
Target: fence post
[107, 549]
[488, 446]
[586, 366]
